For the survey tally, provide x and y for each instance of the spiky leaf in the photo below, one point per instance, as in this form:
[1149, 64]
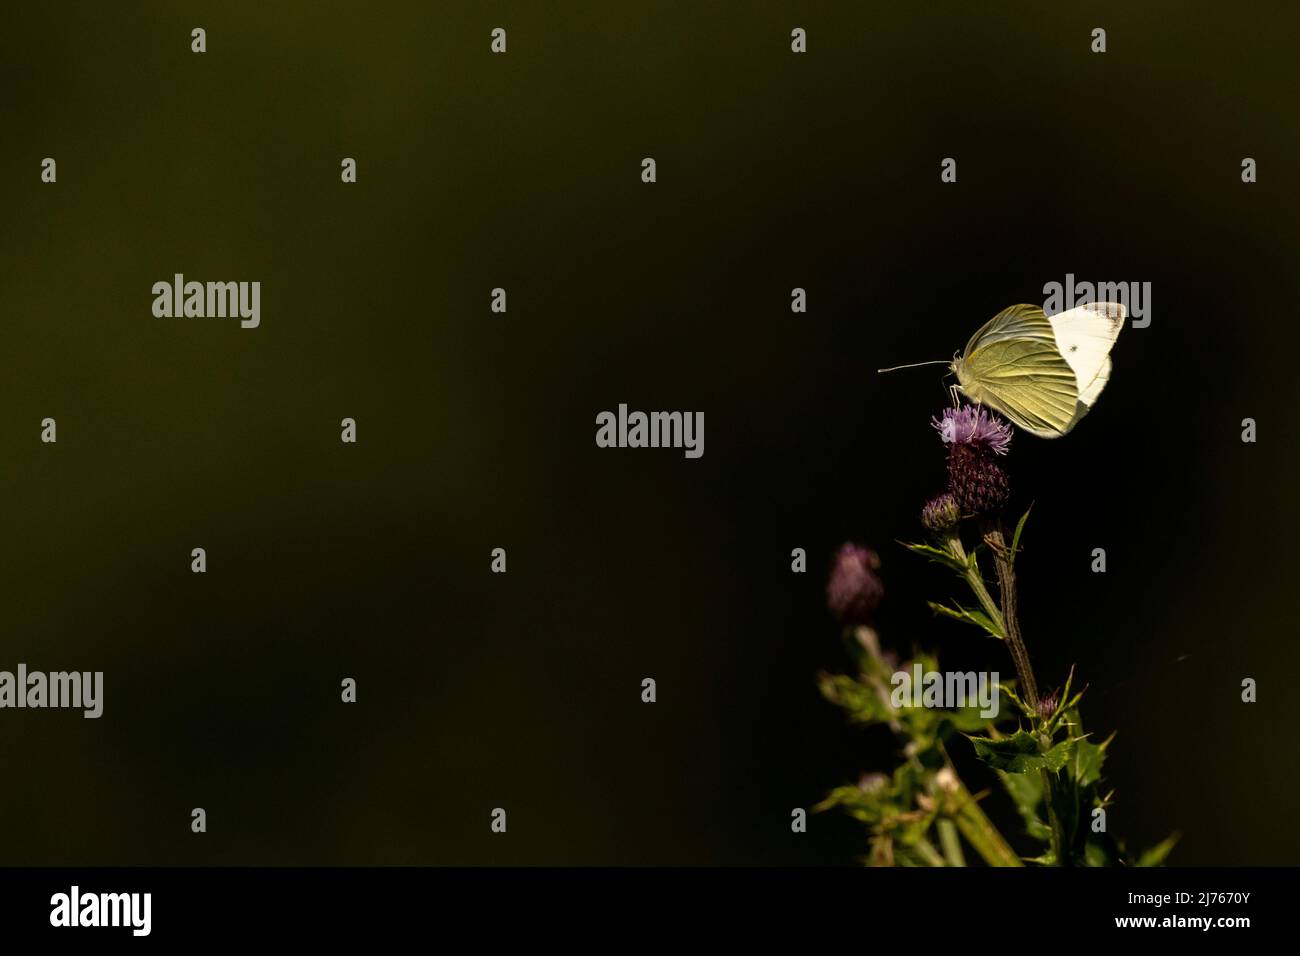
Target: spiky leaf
[1021, 753]
[938, 555]
[1155, 856]
[968, 615]
[1026, 790]
[1086, 761]
[1015, 538]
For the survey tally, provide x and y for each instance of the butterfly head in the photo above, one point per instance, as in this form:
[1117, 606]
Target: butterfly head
[958, 368]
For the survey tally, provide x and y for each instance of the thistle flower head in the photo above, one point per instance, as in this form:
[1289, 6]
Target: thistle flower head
[975, 480]
[1047, 705]
[973, 425]
[974, 438]
[854, 591]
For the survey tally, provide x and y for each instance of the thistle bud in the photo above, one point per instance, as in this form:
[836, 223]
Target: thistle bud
[854, 591]
[940, 514]
[1047, 705]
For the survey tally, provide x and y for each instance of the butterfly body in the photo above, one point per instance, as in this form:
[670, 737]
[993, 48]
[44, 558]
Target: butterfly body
[1042, 372]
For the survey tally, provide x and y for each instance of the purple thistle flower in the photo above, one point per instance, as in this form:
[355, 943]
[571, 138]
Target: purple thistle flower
[1047, 705]
[972, 425]
[975, 437]
[854, 591]
[975, 481]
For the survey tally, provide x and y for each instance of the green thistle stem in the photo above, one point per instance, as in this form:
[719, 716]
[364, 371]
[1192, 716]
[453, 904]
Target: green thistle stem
[1054, 820]
[950, 842]
[1010, 620]
[974, 825]
[926, 851]
[1005, 616]
[1002, 558]
[975, 581]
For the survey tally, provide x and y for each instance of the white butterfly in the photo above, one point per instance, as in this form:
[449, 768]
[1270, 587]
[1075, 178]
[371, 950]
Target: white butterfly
[1044, 373]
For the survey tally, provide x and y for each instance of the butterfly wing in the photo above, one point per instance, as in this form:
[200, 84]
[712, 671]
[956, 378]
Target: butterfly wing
[1085, 336]
[1013, 365]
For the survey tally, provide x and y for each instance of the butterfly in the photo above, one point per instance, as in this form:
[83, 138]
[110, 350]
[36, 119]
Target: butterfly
[1042, 372]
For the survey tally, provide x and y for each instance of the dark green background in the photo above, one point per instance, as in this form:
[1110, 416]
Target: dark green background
[477, 430]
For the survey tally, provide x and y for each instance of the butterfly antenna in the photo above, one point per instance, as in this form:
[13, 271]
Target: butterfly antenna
[913, 365]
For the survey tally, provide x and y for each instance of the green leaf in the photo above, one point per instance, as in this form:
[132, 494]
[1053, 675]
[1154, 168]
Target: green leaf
[841, 797]
[1064, 797]
[1156, 855]
[1070, 704]
[1015, 699]
[1096, 853]
[1065, 691]
[937, 555]
[968, 615]
[1021, 753]
[1086, 761]
[862, 702]
[1026, 790]
[1015, 538]
[966, 718]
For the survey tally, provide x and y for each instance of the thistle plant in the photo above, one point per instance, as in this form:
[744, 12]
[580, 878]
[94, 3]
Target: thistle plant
[922, 813]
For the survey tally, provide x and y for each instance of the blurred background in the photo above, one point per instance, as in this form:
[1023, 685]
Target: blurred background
[476, 430]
